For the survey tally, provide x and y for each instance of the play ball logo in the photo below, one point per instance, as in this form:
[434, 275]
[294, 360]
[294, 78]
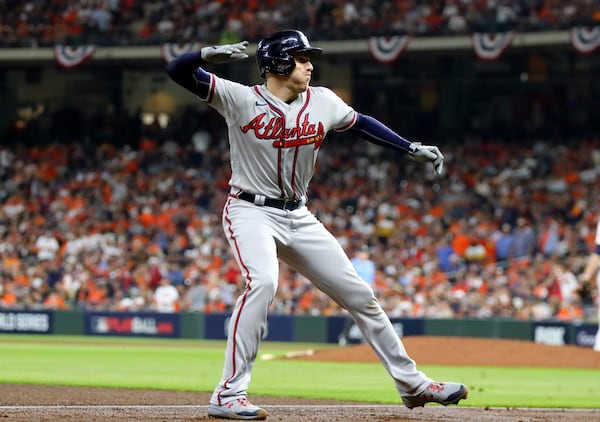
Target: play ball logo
[135, 325]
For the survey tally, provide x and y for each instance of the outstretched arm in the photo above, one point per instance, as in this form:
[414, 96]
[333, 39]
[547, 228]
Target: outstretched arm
[186, 69]
[376, 132]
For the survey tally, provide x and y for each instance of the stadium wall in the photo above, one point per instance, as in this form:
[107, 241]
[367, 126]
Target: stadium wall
[287, 328]
[440, 69]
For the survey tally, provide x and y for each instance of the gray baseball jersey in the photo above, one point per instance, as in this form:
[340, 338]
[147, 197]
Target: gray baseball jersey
[274, 145]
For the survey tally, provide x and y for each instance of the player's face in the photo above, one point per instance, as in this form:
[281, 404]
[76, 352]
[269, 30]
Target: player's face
[300, 76]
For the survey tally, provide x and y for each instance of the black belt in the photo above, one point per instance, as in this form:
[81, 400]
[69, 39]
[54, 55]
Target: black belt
[282, 204]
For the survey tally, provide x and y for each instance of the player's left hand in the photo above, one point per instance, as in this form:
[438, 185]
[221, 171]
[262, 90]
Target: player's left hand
[427, 154]
[225, 53]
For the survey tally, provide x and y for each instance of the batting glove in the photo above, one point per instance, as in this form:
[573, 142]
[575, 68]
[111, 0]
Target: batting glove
[427, 154]
[225, 53]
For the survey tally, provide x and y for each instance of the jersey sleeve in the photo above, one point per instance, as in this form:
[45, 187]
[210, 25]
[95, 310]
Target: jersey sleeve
[226, 97]
[343, 116]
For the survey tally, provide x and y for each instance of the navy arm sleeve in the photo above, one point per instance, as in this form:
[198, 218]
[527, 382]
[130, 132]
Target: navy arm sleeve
[376, 132]
[186, 71]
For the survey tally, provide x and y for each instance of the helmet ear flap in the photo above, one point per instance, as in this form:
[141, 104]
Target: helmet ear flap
[278, 66]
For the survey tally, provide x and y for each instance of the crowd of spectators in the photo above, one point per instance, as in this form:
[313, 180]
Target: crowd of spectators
[30, 23]
[96, 225]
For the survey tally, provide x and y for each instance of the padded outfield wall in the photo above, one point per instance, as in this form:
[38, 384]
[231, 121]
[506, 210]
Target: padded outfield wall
[290, 328]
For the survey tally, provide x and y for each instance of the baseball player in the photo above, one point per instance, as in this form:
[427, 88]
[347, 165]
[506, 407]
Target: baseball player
[591, 272]
[275, 133]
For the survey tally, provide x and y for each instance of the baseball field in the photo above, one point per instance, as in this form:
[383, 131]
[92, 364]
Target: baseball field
[71, 378]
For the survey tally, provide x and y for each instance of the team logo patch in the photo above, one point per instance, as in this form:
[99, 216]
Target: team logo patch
[585, 39]
[388, 49]
[70, 56]
[491, 46]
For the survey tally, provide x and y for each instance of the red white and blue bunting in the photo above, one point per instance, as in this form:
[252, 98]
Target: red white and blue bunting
[384, 49]
[491, 46]
[388, 49]
[70, 56]
[585, 39]
[170, 51]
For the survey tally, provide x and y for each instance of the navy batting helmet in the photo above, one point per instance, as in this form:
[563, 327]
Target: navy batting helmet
[275, 52]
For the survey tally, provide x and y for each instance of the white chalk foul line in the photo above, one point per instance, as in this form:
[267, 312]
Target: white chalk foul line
[278, 406]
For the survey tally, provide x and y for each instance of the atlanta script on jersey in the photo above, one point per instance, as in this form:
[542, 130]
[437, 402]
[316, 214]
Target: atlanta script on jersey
[274, 145]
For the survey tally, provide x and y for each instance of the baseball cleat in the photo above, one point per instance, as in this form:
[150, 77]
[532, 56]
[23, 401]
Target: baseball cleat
[437, 392]
[237, 409]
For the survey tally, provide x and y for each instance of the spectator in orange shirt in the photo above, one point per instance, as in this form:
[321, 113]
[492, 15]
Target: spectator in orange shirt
[55, 300]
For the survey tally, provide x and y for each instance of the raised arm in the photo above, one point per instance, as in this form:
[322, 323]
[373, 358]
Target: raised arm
[187, 71]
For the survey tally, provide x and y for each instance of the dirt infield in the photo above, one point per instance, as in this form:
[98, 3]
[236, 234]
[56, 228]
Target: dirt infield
[458, 351]
[54, 403]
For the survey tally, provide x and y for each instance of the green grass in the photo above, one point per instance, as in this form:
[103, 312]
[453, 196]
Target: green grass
[195, 365]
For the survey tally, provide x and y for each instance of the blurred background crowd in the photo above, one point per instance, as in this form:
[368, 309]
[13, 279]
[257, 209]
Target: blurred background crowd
[31, 23]
[105, 212]
[135, 225]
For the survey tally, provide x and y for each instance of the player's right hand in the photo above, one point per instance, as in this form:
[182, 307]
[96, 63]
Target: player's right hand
[427, 154]
[225, 53]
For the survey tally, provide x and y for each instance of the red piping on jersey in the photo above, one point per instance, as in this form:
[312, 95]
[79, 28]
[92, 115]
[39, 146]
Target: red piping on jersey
[244, 297]
[348, 126]
[282, 139]
[279, 181]
[304, 106]
[211, 91]
[294, 171]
